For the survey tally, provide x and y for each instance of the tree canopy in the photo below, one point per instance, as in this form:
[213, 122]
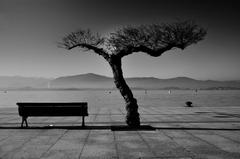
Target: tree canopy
[154, 39]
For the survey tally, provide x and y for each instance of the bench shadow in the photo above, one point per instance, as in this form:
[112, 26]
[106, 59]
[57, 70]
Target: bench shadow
[92, 127]
[116, 128]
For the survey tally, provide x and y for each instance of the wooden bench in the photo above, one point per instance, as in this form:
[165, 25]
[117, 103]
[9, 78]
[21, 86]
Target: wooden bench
[26, 110]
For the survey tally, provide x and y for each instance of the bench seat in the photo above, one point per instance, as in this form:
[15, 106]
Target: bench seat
[26, 110]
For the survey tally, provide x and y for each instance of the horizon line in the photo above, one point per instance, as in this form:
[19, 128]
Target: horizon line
[51, 78]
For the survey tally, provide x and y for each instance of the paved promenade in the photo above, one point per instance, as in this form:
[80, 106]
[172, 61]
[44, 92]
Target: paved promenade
[179, 132]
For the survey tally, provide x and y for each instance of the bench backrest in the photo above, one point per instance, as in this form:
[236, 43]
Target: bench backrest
[53, 109]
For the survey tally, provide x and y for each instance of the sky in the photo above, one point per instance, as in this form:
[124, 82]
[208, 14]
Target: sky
[31, 29]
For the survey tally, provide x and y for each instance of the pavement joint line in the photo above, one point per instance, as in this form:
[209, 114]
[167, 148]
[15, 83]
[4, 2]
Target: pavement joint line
[194, 136]
[85, 142]
[149, 147]
[25, 142]
[192, 154]
[9, 135]
[228, 138]
[44, 153]
[114, 137]
[187, 133]
[115, 144]
[89, 131]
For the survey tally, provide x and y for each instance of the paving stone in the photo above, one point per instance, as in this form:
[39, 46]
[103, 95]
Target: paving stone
[68, 146]
[100, 143]
[130, 145]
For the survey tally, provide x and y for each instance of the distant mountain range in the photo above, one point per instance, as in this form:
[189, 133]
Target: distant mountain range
[91, 80]
[13, 82]
[94, 81]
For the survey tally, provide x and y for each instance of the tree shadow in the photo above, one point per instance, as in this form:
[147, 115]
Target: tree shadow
[192, 128]
[127, 128]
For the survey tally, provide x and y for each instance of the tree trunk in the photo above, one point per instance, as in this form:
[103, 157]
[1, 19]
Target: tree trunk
[132, 117]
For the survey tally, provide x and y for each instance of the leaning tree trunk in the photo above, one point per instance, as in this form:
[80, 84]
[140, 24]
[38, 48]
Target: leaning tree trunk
[132, 117]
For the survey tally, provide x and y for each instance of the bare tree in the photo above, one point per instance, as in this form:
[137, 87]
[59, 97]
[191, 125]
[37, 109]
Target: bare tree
[153, 40]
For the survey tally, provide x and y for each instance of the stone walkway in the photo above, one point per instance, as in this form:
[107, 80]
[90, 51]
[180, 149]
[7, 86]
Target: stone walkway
[186, 133]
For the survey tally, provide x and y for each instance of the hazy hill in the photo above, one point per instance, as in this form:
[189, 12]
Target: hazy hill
[91, 80]
[23, 82]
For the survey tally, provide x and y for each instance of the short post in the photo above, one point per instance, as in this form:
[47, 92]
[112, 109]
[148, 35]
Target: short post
[189, 104]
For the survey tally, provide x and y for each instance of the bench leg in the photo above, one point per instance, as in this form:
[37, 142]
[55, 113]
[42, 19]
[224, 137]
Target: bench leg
[24, 119]
[83, 122]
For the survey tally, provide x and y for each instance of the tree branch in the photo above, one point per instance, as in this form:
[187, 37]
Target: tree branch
[84, 39]
[97, 50]
[144, 49]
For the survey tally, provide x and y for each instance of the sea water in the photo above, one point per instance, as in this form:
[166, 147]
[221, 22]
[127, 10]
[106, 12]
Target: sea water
[112, 98]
